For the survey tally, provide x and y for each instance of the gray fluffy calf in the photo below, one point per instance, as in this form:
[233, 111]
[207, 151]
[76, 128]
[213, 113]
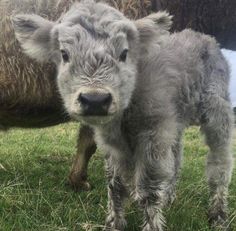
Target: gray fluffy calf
[139, 87]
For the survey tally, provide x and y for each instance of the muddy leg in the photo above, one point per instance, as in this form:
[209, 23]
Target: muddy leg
[86, 147]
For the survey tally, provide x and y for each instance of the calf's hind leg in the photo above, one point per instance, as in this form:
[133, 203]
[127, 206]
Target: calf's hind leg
[86, 147]
[218, 129]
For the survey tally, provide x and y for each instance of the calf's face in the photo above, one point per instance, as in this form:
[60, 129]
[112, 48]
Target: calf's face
[96, 51]
[97, 70]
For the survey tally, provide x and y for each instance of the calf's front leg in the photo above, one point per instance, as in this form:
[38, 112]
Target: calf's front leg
[116, 194]
[155, 177]
[86, 147]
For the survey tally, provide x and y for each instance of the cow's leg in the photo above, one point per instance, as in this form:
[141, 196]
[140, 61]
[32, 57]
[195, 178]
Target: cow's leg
[217, 126]
[177, 150]
[115, 220]
[86, 147]
[156, 172]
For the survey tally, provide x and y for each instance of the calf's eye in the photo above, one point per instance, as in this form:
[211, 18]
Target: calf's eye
[65, 56]
[123, 55]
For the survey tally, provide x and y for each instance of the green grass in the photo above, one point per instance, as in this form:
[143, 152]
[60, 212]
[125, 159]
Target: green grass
[34, 165]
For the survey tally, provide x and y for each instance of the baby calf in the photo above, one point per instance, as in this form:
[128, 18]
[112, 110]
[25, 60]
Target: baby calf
[139, 87]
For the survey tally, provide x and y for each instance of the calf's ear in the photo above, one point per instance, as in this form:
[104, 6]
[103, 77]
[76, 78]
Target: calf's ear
[153, 26]
[34, 35]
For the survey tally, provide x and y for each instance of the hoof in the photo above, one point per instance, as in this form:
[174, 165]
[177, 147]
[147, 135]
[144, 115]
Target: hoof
[219, 222]
[149, 228]
[115, 224]
[77, 184]
[80, 186]
[111, 229]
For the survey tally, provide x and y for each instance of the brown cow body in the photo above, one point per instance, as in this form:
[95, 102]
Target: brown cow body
[28, 96]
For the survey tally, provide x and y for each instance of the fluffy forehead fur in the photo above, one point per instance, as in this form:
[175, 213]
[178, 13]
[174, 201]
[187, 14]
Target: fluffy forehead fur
[95, 20]
[94, 35]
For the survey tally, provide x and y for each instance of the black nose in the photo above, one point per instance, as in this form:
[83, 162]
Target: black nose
[95, 103]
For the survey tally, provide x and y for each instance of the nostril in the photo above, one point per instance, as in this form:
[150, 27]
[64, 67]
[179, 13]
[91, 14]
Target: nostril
[107, 99]
[84, 99]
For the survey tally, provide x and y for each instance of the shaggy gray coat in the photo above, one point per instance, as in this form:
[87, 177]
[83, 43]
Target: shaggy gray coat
[154, 85]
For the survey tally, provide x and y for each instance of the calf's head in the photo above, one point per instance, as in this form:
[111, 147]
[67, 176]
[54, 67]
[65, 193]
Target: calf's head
[96, 50]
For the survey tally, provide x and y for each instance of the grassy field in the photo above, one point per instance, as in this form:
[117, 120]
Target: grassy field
[33, 196]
